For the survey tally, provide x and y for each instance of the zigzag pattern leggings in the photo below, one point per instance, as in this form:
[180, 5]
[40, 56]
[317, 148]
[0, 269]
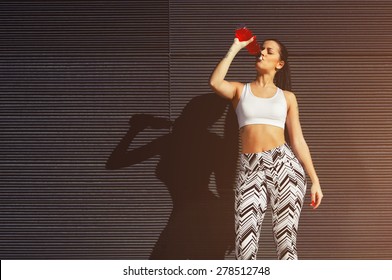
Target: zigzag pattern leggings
[276, 177]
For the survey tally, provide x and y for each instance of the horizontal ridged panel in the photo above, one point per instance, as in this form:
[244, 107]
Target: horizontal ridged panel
[72, 74]
[310, 27]
[105, 28]
[341, 67]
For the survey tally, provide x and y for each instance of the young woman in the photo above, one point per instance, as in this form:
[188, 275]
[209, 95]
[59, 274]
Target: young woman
[271, 170]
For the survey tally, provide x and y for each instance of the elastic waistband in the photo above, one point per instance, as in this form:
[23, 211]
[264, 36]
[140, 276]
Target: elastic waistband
[284, 145]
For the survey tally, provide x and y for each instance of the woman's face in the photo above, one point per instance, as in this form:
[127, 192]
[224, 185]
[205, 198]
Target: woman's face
[270, 58]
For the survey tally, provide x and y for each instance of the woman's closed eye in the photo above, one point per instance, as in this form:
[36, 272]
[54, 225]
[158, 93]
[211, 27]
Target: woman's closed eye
[269, 51]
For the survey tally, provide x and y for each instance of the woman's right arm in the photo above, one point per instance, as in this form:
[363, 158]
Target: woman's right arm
[218, 83]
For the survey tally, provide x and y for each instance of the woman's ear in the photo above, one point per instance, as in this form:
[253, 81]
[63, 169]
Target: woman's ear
[279, 65]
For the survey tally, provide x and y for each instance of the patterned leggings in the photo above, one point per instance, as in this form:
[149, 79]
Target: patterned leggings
[277, 177]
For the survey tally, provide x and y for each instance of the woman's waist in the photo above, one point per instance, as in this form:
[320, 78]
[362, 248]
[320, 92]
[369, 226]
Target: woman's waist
[256, 139]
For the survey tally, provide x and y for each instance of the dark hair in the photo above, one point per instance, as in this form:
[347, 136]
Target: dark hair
[282, 77]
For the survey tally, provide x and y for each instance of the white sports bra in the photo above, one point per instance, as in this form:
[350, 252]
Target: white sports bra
[258, 110]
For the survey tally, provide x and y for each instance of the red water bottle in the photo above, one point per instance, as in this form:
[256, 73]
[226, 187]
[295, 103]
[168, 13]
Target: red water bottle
[244, 34]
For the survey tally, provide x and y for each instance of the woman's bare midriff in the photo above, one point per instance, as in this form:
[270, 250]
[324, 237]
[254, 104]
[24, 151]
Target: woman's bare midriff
[257, 138]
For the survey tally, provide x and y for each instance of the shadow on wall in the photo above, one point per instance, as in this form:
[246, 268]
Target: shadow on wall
[201, 225]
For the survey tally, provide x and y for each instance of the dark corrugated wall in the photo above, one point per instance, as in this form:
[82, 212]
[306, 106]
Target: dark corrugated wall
[72, 74]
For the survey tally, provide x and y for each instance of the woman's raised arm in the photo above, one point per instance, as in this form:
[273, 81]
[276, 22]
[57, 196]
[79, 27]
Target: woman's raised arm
[218, 83]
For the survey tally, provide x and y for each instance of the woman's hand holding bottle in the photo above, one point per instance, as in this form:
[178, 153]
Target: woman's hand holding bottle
[246, 39]
[242, 44]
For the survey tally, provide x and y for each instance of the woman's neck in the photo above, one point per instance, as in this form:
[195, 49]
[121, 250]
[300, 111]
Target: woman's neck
[264, 80]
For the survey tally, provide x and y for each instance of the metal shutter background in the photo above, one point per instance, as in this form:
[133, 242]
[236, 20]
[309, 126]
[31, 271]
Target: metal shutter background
[73, 73]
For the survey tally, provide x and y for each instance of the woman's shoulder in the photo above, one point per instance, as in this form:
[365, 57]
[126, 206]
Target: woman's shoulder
[289, 94]
[291, 99]
[240, 86]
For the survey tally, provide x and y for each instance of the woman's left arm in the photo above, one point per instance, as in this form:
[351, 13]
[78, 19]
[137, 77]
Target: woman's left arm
[300, 147]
